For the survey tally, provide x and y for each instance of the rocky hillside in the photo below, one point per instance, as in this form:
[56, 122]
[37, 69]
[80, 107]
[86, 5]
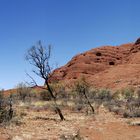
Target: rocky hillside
[104, 67]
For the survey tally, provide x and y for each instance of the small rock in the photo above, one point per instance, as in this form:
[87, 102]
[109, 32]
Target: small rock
[17, 138]
[136, 123]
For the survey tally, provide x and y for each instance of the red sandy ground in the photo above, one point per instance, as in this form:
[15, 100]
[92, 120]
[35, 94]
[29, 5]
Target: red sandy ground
[102, 126]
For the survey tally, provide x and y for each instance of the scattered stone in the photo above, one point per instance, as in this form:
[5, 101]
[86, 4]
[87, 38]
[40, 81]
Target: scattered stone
[135, 123]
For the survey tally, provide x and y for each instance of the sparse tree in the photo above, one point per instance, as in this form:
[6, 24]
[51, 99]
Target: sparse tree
[81, 87]
[39, 57]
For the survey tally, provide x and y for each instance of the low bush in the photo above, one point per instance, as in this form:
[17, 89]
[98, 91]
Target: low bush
[23, 92]
[45, 95]
[104, 95]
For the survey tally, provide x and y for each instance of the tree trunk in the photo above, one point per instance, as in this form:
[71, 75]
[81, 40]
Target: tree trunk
[50, 91]
[60, 113]
[58, 110]
[10, 113]
[92, 108]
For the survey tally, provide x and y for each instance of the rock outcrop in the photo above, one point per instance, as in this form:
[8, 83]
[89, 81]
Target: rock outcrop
[104, 67]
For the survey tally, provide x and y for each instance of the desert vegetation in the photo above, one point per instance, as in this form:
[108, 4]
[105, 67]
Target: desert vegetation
[125, 102]
[27, 101]
[6, 109]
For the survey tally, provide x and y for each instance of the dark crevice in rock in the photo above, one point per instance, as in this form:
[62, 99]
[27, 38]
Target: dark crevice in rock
[111, 63]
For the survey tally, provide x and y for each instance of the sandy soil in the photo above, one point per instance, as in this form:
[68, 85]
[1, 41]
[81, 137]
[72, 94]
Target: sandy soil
[45, 125]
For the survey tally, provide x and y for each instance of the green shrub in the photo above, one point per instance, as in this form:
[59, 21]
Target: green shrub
[104, 94]
[128, 94]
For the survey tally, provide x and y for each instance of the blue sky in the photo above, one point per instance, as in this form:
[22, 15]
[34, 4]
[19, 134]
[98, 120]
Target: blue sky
[70, 26]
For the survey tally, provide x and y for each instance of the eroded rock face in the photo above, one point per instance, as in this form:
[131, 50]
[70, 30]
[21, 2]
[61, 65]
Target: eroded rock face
[98, 63]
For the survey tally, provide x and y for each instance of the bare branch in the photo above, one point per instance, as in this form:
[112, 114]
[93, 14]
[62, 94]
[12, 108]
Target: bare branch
[38, 56]
[33, 81]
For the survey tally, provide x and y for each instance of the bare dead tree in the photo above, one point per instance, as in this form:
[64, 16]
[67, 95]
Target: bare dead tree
[39, 57]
